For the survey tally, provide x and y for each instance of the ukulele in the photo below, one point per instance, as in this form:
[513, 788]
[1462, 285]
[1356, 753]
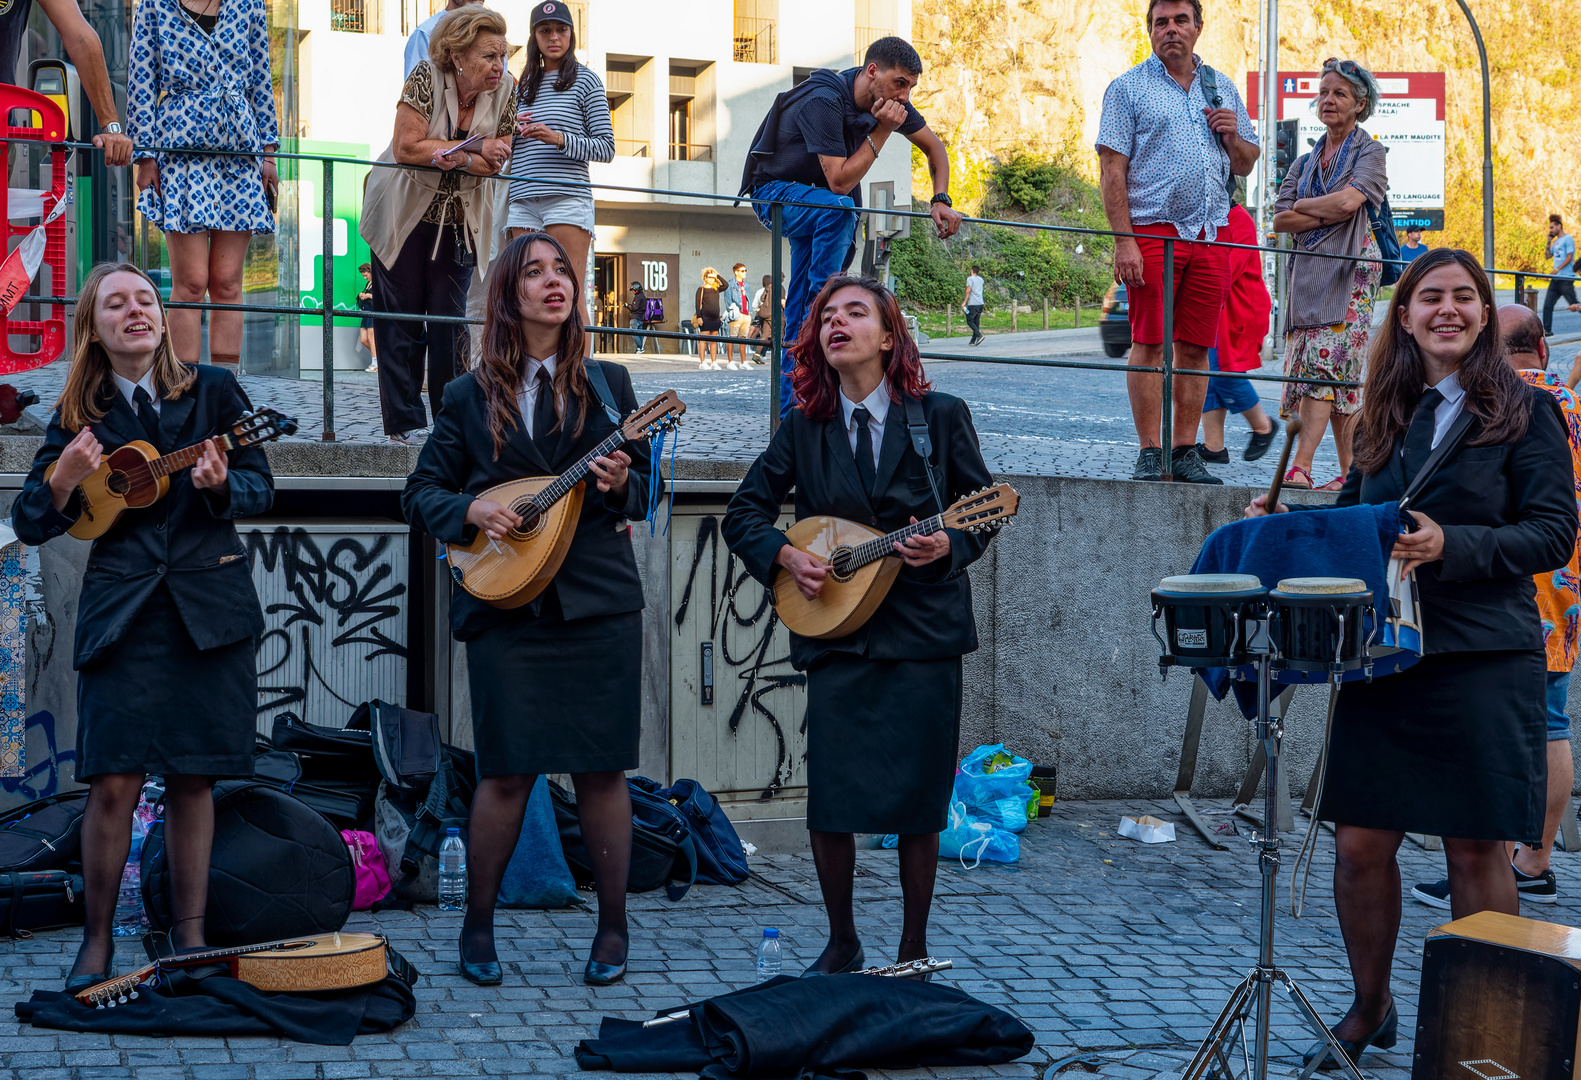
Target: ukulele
[135, 475]
[509, 573]
[296, 965]
[863, 564]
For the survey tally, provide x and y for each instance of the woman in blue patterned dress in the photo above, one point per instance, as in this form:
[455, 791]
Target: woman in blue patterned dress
[200, 79]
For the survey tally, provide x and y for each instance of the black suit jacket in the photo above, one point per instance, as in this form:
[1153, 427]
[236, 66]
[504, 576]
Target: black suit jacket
[187, 539]
[1507, 511]
[928, 612]
[457, 463]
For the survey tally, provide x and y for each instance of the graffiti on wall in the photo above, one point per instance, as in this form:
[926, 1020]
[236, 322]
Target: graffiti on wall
[46, 761]
[737, 602]
[335, 619]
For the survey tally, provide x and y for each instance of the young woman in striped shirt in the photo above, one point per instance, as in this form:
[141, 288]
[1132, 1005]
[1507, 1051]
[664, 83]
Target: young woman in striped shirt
[563, 123]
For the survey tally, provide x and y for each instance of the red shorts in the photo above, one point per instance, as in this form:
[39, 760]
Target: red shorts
[1202, 278]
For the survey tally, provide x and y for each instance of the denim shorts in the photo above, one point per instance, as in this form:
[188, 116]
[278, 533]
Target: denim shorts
[573, 208]
[1558, 696]
[1236, 395]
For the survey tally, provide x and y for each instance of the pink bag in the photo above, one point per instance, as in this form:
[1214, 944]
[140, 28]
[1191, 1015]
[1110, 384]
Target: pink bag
[373, 880]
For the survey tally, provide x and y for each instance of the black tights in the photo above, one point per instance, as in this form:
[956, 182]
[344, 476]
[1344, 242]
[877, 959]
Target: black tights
[107, 840]
[603, 804]
[834, 854]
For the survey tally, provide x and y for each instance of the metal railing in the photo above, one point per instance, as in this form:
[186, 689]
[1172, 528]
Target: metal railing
[631, 148]
[351, 16]
[690, 151]
[754, 42]
[865, 36]
[328, 312]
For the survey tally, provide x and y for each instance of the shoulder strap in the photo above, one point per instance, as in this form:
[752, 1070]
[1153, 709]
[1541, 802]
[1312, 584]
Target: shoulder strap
[1449, 444]
[922, 443]
[1210, 82]
[595, 375]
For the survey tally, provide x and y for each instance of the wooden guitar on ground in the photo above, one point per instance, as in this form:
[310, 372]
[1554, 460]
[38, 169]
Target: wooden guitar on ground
[296, 965]
[135, 475]
[863, 563]
[510, 573]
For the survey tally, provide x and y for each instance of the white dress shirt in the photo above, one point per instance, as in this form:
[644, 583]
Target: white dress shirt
[1449, 408]
[877, 403]
[127, 388]
[527, 396]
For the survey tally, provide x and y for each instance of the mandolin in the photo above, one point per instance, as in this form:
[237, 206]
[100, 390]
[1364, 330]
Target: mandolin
[296, 965]
[863, 563]
[510, 573]
[135, 475]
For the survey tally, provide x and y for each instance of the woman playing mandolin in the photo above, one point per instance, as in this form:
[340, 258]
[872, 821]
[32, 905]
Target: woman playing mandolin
[883, 702]
[555, 682]
[167, 614]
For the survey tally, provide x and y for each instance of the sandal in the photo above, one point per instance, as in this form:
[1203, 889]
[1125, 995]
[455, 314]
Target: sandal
[1333, 485]
[1291, 481]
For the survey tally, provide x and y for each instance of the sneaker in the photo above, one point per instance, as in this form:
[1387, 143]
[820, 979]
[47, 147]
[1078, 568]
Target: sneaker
[1149, 464]
[733, 366]
[1188, 467]
[1221, 456]
[372, 367]
[1433, 893]
[702, 365]
[1258, 445]
[1539, 888]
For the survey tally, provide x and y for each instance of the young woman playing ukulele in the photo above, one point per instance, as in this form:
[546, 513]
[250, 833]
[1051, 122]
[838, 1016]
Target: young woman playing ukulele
[883, 703]
[556, 682]
[166, 619]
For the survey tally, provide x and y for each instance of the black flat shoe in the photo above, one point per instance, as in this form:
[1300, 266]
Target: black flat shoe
[600, 974]
[484, 974]
[1221, 456]
[76, 984]
[1258, 445]
[1384, 1038]
[857, 962]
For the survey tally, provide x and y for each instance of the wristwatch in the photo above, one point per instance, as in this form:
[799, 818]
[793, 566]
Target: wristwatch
[112, 128]
[942, 197]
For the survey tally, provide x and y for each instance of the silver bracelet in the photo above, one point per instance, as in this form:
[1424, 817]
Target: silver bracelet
[869, 139]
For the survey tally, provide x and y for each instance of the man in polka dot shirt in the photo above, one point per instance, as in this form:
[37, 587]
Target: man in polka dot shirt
[1173, 134]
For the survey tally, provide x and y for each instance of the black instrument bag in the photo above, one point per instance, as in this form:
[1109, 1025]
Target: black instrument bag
[39, 900]
[45, 834]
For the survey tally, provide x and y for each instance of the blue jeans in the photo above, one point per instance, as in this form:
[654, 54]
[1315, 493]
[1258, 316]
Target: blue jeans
[1558, 697]
[1236, 395]
[637, 340]
[820, 239]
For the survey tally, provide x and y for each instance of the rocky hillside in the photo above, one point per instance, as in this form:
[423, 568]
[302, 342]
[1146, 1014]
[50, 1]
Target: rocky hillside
[1009, 75]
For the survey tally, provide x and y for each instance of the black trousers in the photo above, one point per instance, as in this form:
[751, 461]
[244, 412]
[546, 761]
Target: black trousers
[974, 316]
[423, 281]
[1557, 287]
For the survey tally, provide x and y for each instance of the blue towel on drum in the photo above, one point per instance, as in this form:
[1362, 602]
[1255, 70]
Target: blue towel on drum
[1351, 541]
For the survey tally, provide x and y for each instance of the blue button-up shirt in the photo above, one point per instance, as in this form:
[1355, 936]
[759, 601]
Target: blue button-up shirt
[1178, 168]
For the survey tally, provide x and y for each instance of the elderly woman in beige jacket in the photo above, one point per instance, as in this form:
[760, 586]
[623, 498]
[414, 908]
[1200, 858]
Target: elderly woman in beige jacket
[432, 232]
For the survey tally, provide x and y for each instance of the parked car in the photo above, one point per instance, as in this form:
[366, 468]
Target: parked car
[1115, 326]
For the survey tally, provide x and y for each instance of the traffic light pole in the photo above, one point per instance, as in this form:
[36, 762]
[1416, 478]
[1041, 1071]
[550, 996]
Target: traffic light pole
[1268, 133]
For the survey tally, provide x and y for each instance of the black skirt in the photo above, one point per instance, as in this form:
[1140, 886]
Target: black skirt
[881, 743]
[1455, 746]
[159, 704]
[557, 696]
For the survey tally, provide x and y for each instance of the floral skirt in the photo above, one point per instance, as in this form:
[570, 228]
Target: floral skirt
[1337, 352]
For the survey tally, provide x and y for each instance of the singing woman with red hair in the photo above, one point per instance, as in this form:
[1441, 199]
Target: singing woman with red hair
[883, 703]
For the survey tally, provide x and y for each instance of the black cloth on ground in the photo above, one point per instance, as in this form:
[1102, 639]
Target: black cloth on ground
[811, 1027]
[220, 1005]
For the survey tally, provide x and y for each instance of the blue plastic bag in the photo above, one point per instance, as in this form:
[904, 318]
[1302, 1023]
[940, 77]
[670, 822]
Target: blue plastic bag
[973, 841]
[1000, 797]
[537, 875]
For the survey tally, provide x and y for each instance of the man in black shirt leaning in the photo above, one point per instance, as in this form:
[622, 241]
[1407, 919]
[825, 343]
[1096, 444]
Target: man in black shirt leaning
[815, 146]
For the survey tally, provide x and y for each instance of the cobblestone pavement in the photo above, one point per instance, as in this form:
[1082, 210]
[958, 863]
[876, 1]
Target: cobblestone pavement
[1033, 421]
[1101, 945]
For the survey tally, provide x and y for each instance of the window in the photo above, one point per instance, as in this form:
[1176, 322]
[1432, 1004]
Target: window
[874, 19]
[354, 16]
[629, 88]
[755, 32]
[686, 141]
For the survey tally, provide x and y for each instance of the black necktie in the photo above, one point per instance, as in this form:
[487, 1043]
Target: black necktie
[864, 449]
[146, 415]
[1419, 437]
[543, 417]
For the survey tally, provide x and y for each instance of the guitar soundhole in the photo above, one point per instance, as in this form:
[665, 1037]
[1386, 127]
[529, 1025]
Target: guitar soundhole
[289, 945]
[118, 483]
[532, 523]
[842, 564]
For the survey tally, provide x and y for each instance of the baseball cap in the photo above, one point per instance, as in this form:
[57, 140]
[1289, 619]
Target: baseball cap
[551, 11]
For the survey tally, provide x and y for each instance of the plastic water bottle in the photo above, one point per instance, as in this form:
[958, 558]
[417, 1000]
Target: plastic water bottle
[452, 872]
[769, 954]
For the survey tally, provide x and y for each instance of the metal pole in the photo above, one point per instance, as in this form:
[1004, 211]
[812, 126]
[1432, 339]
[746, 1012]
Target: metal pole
[328, 310]
[1487, 146]
[1268, 132]
[1268, 863]
[776, 313]
[1167, 438]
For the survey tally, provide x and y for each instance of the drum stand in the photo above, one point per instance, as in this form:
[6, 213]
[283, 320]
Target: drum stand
[1252, 999]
